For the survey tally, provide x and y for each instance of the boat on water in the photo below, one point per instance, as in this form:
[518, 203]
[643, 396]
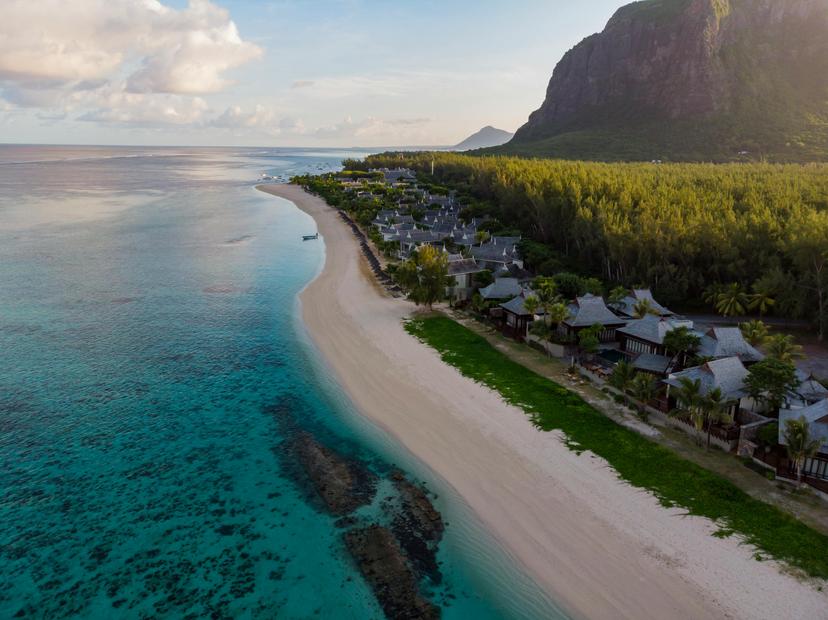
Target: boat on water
[310, 237]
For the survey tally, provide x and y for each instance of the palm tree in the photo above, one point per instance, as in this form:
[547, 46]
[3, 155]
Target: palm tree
[783, 348]
[801, 446]
[711, 294]
[713, 406]
[689, 402]
[557, 313]
[732, 301]
[761, 300]
[755, 332]
[622, 376]
[680, 342]
[643, 388]
[616, 296]
[531, 304]
[546, 293]
[643, 307]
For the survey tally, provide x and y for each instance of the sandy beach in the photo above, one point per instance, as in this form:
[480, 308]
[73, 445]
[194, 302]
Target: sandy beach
[600, 547]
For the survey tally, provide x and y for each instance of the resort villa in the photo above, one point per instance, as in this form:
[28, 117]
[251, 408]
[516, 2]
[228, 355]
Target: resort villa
[815, 470]
[727, 374]
[497, 253]
[516, 318]
[628, 307]
[462, 270]
[588, 311]
[647, 335]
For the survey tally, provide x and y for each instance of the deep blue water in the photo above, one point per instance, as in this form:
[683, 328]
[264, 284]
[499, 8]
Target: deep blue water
[152, 367]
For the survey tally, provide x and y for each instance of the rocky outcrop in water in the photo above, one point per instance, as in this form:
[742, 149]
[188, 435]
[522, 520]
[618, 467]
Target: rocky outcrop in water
[342, 484]
[418, 527]
[383, 565]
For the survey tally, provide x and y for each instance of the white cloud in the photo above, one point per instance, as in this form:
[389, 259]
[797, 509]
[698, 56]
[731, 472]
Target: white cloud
[234, 118]
[118, 61]
[260, 119]
[124, 108]
[369, 129]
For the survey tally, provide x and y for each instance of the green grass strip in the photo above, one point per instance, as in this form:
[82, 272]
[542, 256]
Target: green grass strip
[672, 479]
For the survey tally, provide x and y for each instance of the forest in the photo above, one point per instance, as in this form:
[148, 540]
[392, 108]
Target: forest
[682, 229]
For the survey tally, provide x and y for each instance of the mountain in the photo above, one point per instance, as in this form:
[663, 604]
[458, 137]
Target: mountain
[486, 137]
[691, 80]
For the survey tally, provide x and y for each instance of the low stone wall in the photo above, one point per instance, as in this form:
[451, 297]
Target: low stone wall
[661, 418]
[550, 348]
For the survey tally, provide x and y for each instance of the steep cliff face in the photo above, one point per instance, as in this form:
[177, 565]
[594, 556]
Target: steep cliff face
[749, 74]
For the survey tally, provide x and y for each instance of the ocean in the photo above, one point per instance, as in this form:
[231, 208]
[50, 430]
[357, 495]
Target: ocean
[154, 371]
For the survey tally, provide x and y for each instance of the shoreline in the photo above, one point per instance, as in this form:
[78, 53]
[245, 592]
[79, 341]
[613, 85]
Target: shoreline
[599, 547]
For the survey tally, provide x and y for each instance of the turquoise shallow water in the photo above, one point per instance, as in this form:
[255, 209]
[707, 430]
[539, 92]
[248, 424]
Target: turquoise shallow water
[152, 367]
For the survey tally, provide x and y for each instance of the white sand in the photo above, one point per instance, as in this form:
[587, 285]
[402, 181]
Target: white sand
[600, 547]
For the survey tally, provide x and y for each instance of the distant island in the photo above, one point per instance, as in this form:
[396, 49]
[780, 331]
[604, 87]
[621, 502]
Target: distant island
[485, 138]
[690, 80]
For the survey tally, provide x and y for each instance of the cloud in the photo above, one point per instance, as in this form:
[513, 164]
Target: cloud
[118, 56]
[234, 118]
[372, 128]
[302, 84]
[124, 108]
[259, 118]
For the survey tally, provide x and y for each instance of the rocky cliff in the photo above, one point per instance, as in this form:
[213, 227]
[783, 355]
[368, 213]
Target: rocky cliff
[691, 79]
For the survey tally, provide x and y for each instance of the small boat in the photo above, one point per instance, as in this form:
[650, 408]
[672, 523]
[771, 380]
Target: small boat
[310, 237]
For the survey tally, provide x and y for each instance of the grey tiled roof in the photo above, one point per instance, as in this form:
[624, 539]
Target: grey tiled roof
[504, 241]
[809, 388]
[652, 328]
[817, 417]
[652, 363]
[728, 374]
[502, 288]
[464, 237]
[464, 266]
[627, 305]
[513, 271]
[516, 305]
[444, 228]
[496, 254]
[589, 310]
[419, 236]
[728, 342]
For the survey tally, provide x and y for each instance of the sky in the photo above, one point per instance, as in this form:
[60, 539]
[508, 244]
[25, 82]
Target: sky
[279, 73]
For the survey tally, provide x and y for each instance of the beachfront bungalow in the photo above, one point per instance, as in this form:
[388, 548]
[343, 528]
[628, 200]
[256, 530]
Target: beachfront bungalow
[501, 289]
[514, 271]
[444, 228]
[727, 374]
[516, 318]
[657, 365]
[464, 237]
[646, 335]
[439, 200]
[809, 392]
[626, 307]
[395, 231]
[410, 240]
[463, 271]
[397, 175]
[721, 342]
[495, 256]
[505, 241]
[587, 311]
[815, 470]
